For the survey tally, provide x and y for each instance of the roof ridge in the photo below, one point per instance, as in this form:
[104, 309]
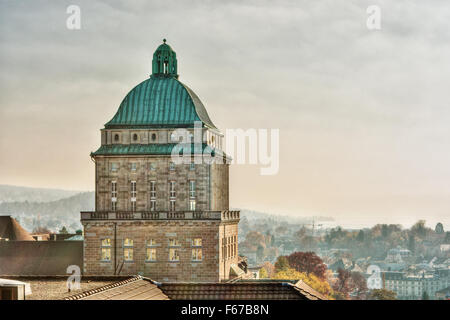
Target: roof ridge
[101, 289]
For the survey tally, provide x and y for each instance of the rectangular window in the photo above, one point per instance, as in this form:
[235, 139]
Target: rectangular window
[133, 195]
[133, 189]
[128, 249]
[152, 189]
[152, 205]
[192, 166]
[150, 254]
[113, 195]
[174, 245]
[192, 205]
[171, 166]
[172, 205]
[133, 166]
[196, 245]
[106, 249]
[196, 254]
[173, 254]
[192, 189]
[152, 166]
[114, 166]
[172, 192]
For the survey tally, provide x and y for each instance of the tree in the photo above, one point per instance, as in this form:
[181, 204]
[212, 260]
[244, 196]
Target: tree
[260, 252]
[63, 230]
[344, 283]
[308, 262]
[412, 243]
[311, 280]
[270, 269]
[281, 264]
[419, 229]
[439, 229]
[425, 296]
[360, 237]
[359, 285]
[382, 294]
[263, 273]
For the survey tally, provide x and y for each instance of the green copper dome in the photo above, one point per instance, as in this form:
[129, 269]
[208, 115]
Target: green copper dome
[162, 100]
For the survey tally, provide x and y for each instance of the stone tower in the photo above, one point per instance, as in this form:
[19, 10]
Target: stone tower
[155, 215]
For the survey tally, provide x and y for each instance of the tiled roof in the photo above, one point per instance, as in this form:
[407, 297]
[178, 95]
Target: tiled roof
[241, 290]
[136, 288]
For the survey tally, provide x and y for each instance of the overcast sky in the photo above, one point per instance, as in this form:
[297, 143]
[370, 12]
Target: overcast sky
[363, 114]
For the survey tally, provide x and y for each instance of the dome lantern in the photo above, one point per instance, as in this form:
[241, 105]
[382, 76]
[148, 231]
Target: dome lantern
[164, 61]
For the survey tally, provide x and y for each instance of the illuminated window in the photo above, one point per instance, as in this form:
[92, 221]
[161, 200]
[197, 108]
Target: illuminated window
[150, 254]
[192, 205]
[106, 249]
[174, 245]
[128, 249]
[196, 254]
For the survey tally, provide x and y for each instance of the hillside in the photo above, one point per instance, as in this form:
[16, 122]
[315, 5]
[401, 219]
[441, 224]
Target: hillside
[17, 193]
[52, 214]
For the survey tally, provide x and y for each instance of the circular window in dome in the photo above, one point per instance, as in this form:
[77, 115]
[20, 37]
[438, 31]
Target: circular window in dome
[116, 137]
[153, 136]
[135, 137]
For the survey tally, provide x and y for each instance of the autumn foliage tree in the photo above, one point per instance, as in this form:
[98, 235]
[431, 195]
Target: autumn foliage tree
[382, 294]
[350, 283]
[314, 282]
[309, 263]
[281, 264]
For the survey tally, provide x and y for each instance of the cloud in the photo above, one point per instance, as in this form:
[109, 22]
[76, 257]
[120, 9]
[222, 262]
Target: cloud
[366, 112]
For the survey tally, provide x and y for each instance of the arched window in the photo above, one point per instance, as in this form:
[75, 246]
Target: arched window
[153, 136]
[135, 137]
[116, 138]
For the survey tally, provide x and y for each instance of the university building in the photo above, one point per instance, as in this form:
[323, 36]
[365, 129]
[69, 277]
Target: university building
[154, 216]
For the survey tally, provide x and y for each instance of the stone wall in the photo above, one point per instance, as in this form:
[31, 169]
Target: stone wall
[207, 270]
[209, 196]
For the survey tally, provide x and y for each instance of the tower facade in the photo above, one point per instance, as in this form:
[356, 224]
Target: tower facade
[161, 187]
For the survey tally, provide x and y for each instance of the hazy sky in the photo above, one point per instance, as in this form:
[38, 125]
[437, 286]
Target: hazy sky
[363, 115]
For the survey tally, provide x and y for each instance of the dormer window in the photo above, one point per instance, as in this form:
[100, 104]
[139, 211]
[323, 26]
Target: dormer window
[135, 137]
[153, 136]
[116, 138]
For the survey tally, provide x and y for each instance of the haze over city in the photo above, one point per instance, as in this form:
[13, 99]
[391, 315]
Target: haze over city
[363, 115]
